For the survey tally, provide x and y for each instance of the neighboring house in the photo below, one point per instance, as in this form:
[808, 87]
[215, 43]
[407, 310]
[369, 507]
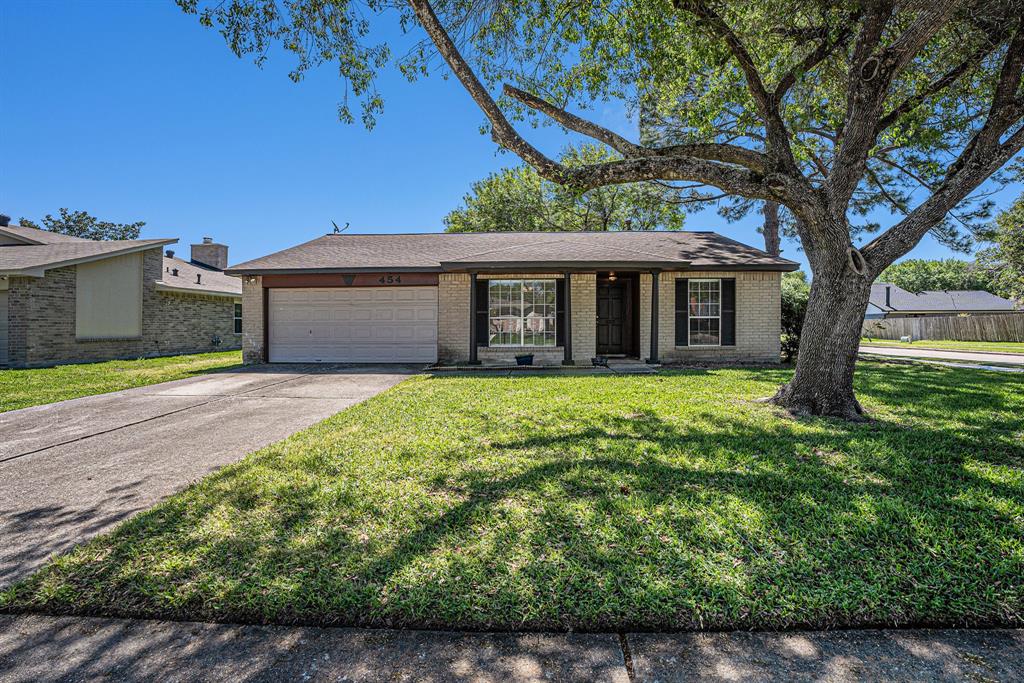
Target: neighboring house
[67, 299]
[889, 301]
[487, 297]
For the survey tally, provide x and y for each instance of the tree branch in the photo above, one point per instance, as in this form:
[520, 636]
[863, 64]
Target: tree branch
[502, 131]
[933, 88]
[658, 166]
[901, 238]
[576, 123]
[872, 71]
[777, 136]
[813, 59]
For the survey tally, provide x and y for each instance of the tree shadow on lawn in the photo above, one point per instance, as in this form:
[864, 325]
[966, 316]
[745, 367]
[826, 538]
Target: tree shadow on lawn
[617, 520]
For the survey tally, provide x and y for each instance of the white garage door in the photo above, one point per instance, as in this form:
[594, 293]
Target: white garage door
[358, 325]
[3, 327]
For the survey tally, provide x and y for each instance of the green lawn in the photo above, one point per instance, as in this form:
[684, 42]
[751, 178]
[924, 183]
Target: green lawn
[948, 345]
[24, 388]
[667, 501]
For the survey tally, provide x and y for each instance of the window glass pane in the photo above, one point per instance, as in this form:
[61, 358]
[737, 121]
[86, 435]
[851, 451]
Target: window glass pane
[521, 312]
[704, 332]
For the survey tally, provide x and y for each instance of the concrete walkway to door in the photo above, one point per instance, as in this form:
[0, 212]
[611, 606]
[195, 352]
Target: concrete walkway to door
[73, 469]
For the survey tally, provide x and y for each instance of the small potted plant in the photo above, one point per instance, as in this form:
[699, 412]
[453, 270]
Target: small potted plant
[524, 359]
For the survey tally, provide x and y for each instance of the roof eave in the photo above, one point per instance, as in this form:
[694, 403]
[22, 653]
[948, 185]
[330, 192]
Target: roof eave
[162, 286]
[787, 267]
[519, 266]
[243, 270]
[40, 270]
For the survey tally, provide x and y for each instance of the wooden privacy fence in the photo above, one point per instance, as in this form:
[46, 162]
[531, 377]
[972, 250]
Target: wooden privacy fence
[1007, 327]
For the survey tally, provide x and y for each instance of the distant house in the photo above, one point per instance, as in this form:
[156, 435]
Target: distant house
[67, 299]
[889, 301]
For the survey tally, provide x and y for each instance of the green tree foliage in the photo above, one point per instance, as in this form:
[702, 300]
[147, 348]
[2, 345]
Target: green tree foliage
[1005, 258]
[81, 224]
[919, 275]
[795, 293]
[518, 199]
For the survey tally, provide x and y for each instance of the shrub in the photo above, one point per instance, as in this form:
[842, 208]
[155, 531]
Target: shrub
[795, 292]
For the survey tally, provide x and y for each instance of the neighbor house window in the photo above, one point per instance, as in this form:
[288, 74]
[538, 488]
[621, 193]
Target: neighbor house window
[705, 312]
[238, 318]
[521, 312]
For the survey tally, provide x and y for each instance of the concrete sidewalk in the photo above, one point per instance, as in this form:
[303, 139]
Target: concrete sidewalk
[39, 648]
[979, 357]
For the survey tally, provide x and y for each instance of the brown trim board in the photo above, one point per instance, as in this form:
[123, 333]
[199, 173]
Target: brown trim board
[379, 279]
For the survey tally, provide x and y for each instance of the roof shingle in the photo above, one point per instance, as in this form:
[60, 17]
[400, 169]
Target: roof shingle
[211, 281]
[931, 301]
[454, 251]
[35, 256]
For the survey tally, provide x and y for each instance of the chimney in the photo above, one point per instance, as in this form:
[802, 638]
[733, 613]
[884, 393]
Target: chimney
[5, 220]
[888, 296]
[169, 253]
[174, 272]
[210, 254]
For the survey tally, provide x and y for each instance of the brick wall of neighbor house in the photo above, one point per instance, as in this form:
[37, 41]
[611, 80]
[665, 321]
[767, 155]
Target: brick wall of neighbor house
[758, 319]
[252, 320]
[42, 321]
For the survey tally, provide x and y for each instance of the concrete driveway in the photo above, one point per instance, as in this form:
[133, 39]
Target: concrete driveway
[74, 469]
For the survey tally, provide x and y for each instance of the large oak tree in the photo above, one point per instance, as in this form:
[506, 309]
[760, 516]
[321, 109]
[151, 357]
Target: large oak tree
[826, 108]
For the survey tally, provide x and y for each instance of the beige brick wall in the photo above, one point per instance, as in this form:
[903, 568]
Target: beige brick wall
[758, 319]
[584, 317]
[252, 320]
[453, 317]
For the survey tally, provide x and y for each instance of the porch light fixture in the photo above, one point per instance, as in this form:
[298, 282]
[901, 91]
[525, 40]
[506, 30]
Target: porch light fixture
[611, 276]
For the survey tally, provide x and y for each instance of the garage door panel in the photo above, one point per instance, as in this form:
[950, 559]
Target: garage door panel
[379, 324]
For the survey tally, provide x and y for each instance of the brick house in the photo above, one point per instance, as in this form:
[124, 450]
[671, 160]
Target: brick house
[488, 297]
[67, 299]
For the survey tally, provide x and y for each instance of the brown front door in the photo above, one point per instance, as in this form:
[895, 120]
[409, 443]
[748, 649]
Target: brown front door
[612, 317]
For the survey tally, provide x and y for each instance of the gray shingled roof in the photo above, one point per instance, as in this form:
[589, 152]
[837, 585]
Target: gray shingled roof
[31, 259]
[37, 236]
[212, 281]
[901, 300]
[461, 251]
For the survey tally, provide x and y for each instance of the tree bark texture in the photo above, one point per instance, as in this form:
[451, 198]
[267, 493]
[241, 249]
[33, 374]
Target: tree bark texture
[772, 239]
[829, 341]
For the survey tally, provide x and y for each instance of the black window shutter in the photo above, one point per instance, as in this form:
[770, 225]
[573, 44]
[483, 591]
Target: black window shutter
[482, 303]
[729, 312]
[682, 312]
[560, 312]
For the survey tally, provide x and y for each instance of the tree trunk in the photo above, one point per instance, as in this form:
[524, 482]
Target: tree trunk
[772, 239]
[823, 382]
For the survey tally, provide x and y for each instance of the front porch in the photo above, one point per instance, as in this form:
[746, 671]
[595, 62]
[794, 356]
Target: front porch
[609, 314]
[568, 318]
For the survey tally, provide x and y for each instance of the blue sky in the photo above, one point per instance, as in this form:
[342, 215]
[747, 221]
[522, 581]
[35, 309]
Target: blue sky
[132, 111]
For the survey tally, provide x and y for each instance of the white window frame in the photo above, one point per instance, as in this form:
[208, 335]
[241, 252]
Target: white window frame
[522, 319]
[690, 316]
[236, 317]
